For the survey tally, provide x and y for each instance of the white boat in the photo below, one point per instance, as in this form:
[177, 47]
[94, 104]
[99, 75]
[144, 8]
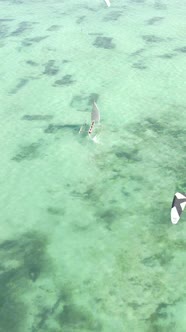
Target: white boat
[107, 2]
[178, 205]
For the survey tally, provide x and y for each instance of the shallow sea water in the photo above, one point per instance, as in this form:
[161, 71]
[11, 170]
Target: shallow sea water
[86, 242]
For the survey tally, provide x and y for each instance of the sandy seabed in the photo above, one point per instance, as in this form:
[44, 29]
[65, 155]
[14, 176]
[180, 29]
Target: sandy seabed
[86, 242]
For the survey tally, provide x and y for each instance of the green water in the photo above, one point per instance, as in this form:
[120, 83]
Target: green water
[86, 242]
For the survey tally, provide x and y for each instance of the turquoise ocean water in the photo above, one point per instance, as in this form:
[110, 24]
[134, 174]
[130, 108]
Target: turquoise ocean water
[86, 242]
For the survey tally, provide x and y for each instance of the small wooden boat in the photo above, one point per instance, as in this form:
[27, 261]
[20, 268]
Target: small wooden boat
[95, 117]
[94, 128]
